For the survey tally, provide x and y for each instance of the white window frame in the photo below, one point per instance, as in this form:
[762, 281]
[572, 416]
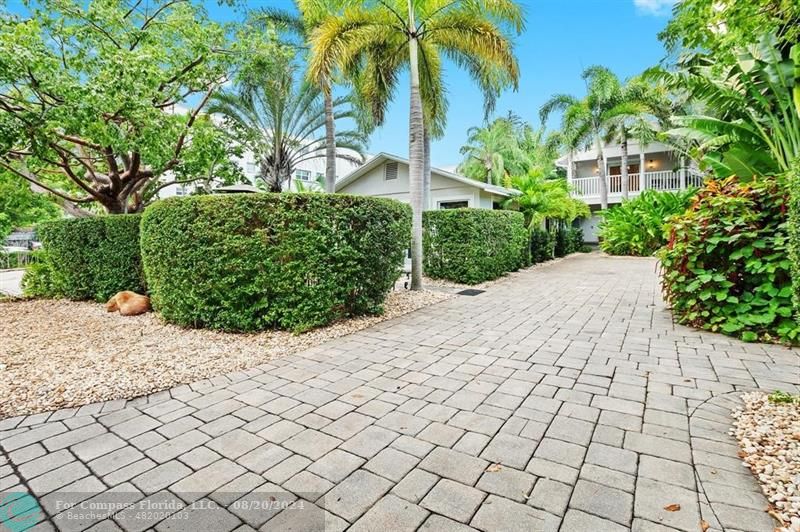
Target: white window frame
[453, 200]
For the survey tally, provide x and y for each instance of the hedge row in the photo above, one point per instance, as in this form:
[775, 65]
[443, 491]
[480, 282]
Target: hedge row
[295, 261]
[558, 243]
[474, 245]
[87, 258]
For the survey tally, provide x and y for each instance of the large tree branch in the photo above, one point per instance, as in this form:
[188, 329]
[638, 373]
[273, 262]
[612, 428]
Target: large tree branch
[81, 142]
[31, 179]
[189, 123]
[185, 70]
[113, 168]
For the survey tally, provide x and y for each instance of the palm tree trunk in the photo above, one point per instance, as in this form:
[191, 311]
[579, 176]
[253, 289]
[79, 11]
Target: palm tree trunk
[416, 155]
[642, 181]
[330, 142]
[601, 169]
[624, 148]
[426, 176]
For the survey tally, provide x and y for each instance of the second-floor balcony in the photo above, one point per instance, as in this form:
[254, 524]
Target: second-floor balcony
[588, 188]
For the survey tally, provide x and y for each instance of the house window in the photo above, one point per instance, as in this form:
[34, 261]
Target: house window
[390, 171]
[320, 175]
[460, 204]
[303, 175]
[180, 190]
[252, 168]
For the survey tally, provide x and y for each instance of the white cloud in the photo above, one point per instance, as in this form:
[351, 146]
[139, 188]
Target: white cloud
[654, 7]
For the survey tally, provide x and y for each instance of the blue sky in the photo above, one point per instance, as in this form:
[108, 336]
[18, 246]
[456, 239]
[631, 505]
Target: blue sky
[562, 38]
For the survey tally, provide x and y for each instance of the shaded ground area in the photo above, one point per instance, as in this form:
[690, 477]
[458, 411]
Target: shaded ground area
[559, 399]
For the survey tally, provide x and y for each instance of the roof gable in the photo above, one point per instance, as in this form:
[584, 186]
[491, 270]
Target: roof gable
[383, 157]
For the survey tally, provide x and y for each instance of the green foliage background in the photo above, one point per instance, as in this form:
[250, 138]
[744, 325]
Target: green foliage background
[794, 234]
[637, 227]
[87, 258]
[473, 245]
[20, 206]
[726, 267]
[246, 262]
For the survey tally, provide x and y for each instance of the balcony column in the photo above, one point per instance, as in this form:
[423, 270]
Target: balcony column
[570, 168]
[642, 169]
[683, 173]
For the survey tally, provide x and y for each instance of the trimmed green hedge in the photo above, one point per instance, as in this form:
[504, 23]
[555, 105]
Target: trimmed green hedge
[474, 245]
[245, 262]
[88, 258]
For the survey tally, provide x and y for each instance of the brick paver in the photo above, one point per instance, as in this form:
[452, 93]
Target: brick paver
[562, 398]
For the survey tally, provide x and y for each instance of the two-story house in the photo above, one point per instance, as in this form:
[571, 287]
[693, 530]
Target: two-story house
[655, 167]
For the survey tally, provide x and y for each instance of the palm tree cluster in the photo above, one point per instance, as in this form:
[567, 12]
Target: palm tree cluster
[505, 147]
[281, 119]
[510, 152]
[611, 111]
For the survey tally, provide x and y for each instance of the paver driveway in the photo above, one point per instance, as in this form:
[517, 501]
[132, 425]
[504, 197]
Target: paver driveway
[558, 399]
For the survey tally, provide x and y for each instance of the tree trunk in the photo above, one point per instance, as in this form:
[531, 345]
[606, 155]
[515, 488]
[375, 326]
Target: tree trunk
[416, 155]
[330, 142]
[601, 169]
[642, 180]
[624, 170]
[426, 176]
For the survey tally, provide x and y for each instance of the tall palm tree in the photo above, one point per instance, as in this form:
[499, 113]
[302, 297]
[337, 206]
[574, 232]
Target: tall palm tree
[586, 118]
[280, 119]
[310, 14]
[634, 113]
[472, 33]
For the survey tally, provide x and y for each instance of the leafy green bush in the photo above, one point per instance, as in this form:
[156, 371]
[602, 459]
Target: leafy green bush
[636, 227]
[245, 262]
[794, 234]
[726, 267]
[576, 242]
[37, 281]
[473, 245]
[562, 245]
[542, 244]
[88, 258]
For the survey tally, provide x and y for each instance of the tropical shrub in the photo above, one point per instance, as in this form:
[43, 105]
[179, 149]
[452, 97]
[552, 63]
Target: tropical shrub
[636, 227]
[38, 278]
[542, 244]
[575, 240]
[794, 235]
[473, 245]
[561, 246]
[246, 262]
[726, 267]
[88, 258]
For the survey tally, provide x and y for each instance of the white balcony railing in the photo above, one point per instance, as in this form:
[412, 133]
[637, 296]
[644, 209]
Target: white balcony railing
[588, 187]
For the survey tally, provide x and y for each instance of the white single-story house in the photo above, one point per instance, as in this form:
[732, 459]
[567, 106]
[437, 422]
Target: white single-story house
[386, 176]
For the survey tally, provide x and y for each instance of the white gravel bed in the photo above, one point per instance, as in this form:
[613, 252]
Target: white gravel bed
[769, 435]
[59, 354]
